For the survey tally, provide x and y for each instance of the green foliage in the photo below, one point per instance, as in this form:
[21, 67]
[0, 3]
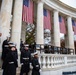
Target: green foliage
[30, 34]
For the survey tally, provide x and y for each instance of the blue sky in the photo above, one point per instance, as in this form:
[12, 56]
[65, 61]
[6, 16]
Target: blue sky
[70, 2]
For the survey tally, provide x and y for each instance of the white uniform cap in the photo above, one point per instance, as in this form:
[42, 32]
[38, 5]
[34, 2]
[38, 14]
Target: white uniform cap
[10, 42]
[35, 53]
[26, 45]
[12, 45]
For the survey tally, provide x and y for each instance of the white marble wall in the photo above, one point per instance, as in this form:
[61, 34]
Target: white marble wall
[58, 71]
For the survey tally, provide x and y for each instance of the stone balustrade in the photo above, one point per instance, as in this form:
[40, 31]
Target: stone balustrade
[48, 61]
[53, 64]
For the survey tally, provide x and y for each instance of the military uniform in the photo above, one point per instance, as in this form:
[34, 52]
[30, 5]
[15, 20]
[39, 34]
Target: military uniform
[36, 66]
[21, 45]
[10, 63]
[25, 61]
[5, 49]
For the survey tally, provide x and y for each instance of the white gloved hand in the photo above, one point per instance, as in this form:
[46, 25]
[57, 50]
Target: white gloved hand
[40, 70]
[31, 67]
[21, 63]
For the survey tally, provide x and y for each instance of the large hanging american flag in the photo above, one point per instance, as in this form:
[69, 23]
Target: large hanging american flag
[74, 26]
[47, 19]
[62, 25]
[27, 13]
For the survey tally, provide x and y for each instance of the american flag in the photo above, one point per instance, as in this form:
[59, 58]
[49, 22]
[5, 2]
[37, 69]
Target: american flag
[47, 19]
[74, 26]
[27, 13]
[62, 25]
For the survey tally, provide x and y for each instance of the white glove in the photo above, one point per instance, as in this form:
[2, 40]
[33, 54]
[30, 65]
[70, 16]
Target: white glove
[40, 70]
[31, 67]
[21, 63]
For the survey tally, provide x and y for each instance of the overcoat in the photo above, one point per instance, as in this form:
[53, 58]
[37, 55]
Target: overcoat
[10, 63]
[25, 59]
[36, 66]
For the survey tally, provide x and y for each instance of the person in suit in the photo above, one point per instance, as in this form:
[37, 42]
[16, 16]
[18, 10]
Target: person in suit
[35, 64]
[25, 59]
[21, 45]
[34, 46]
[10, 63]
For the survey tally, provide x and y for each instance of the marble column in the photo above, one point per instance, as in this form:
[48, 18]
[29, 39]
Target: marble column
[40, 27]
[23, 31]
[17, 22]
[70, 33]
[5, 18]
[56, 29]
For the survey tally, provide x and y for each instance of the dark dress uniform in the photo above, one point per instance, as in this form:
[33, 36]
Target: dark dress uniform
[10, 63]
[5, 49]
[21, 45]
[36, 66]
[25, 61]
[31, 48]
[34, 46]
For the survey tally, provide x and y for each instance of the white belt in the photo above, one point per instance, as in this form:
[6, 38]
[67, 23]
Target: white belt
[37, 65]
[6, 46]
[25, 58]
[11, 62]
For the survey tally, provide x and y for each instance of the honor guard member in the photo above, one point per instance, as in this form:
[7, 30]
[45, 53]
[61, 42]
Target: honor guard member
[10, 63]
[34, 46]
[25, 60]
[4, 48]
[35, 64]
[21, 45]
